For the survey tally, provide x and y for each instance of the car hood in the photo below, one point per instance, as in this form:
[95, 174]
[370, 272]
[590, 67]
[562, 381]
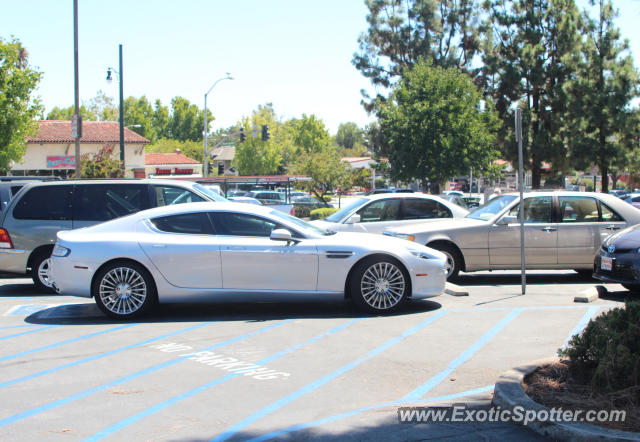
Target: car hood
[373, 242]
[628, 238]
[434, 225]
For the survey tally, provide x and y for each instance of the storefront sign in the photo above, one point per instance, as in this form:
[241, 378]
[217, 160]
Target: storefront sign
[183, 171]
[61, 162]
[163, 171]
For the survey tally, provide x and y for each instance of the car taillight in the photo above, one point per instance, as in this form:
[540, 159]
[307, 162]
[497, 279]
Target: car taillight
[293, 212]
[5, 240]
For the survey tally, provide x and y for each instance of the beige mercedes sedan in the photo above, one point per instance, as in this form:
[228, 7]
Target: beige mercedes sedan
[563, 230]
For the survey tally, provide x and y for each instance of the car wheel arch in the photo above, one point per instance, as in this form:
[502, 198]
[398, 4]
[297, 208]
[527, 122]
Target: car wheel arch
[123, 261]
[434, 243]
[45, 249]
[352, 270]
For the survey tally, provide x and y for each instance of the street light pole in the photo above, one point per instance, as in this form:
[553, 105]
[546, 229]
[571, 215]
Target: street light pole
[121, 117]
[205, 163]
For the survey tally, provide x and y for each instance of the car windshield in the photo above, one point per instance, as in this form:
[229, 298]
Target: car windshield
[210, 193]
[301, 225]
[491, 208]
[336, 217]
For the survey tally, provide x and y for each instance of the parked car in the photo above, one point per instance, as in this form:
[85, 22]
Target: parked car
[473, 201]
[309, 201]
[10, 185]
[268, 196]
[375, 213]
[455, 199]
[389, 190]
[633, 199]
[227, 250]
[31, 220]
[618, 259]
[563, 230]
[620, 193]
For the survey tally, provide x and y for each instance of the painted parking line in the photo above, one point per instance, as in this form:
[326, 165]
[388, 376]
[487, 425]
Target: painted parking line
[162, 405]
[101, 355]
[57, 403]
[17, 326]
[325, 379]
[591, 311]
[67, 341]
[27, 309]
[28, 332]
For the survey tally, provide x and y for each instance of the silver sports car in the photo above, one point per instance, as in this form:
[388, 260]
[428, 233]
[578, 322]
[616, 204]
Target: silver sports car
[205, 251]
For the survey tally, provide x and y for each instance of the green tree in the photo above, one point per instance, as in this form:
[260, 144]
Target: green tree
[160, 120]
[18, 109]
[326, 171]
[530, 52]
[350, 136]
[605, 85]
[257, 157]
[139, 112]
[435, 125]
[65, 113]
[103, 107]
[186, 121]
[101, 164]
[191, 149]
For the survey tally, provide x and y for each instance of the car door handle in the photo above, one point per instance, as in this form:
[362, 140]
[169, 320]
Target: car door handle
[612, 228]
[549, 229]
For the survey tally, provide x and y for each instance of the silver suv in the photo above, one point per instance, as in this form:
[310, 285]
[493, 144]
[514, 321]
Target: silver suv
[34, 216]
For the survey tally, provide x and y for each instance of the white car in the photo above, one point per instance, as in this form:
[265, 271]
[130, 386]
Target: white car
[375, 213]
[217, 251]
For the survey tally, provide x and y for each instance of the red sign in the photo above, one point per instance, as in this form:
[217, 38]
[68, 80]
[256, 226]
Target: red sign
[184, 171]
[163, 171]
[61, 162]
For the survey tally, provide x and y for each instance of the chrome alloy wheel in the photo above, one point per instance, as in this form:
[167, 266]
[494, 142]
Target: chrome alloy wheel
[382, 285]
[123, 291]
[44, 270]
[450, 263]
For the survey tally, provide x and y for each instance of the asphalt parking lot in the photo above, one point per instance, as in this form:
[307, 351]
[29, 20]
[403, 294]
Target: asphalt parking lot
[286, 371]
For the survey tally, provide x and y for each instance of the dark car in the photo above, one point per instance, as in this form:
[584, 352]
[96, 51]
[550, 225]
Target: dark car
[618, 260]
[309, 201]
[620, 193]
[390, 190]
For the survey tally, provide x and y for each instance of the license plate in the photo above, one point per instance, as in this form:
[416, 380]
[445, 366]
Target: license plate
[606, 263]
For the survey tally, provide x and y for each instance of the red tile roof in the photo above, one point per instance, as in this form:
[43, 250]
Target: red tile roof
[56, 131]
[152, 159]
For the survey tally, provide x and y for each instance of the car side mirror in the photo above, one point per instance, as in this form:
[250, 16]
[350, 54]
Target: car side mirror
[506, 220]
[353, 219]
[281, 235]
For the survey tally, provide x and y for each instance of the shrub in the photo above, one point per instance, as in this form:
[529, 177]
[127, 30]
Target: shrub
[301, 211]
[322, 212]
[327, 198]
[607, 353]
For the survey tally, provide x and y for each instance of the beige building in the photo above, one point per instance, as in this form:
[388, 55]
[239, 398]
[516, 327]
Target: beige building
[170, 165]
[52, 150]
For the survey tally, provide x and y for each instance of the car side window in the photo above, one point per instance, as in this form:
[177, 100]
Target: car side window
[381, 210]
[102, 202]
[418, 208]
[190, 223]
[608, 215]
[537, 210]
[167, 195]
[242, 224]
[45, 203]
[578, 209]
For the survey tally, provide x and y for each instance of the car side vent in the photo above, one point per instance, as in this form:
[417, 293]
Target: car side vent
[339, 254]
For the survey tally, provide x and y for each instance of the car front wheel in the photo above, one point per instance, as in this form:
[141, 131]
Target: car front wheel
[380, 285]
[453, 264]
[124, 290]
[40, 268]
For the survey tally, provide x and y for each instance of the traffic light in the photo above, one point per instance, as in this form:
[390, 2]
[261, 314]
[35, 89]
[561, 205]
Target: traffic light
[220, 168]
[242, 135]
[265, 132]
[210, 168]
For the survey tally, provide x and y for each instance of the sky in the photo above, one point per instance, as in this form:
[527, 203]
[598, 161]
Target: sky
[295, 54]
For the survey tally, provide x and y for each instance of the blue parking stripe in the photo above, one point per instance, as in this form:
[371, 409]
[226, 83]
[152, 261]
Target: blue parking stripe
[161, 406]
[146, 371]
[28, 332]
[101, 355]
[17, 326]
[462, 358]
[325, 379]
[591, 311]
[68, 341]
[279, 433]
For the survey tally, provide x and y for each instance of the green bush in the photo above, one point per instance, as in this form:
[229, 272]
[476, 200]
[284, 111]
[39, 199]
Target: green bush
[327, 198]
[301, 211]
[607, 353]
[322, 212]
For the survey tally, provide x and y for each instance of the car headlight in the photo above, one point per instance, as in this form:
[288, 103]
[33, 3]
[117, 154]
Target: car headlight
[405, 236]
[60, 251]
[422, 254]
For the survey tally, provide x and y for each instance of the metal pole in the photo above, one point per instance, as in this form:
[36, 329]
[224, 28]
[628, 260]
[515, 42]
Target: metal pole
[77, 132]
[121, 115]
[205, 164]
[521, 186]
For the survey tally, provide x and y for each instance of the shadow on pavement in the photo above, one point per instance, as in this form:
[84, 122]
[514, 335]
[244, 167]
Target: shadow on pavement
[17, 290]
[470, 279]
[88, 313]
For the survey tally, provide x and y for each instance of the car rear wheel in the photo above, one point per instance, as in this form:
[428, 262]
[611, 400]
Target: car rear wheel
[124, 290]
[380, 285]
[454, 262]
[40, 271]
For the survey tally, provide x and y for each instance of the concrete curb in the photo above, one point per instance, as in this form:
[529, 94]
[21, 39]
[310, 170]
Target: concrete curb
[509, 393]
[455, 290]
[591, 294]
